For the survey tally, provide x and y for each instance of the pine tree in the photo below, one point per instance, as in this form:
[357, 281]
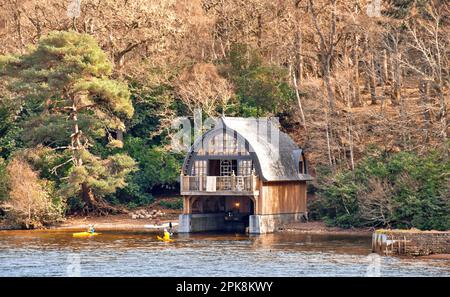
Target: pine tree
[68, 74]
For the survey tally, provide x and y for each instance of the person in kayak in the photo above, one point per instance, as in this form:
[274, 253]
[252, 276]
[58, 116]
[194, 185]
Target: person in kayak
[166, 235]
[170, 228]
[91, 229]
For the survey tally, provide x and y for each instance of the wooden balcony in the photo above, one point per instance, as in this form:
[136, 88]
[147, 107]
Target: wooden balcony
[219, 185]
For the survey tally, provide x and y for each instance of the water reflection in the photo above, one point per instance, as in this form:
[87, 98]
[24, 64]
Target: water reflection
[36, 253]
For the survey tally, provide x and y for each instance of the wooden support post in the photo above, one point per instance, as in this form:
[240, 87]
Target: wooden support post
[233, 181]
[253, 180]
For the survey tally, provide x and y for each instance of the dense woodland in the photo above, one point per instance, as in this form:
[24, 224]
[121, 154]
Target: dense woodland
[87, 100]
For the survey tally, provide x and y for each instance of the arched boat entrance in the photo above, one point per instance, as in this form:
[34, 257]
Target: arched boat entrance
[220, 213]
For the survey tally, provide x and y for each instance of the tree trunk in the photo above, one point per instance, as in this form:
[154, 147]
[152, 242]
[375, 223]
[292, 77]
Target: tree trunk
[372, 80]
[120, 135]
[356, 95]
[443, 118]
[399, 99]
[327, 80]
[350, 140]
[386, 79]
[88, 196]
[17, 19]
[396, 79]
[424, 90]
[298, 56]
[327, 131]
[326, 50]
[385, 67]
[297, 94]
[259, 31]
[76, 135]
[77, 148]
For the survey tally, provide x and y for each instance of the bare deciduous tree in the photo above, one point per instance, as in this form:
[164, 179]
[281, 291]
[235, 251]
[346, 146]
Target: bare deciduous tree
[202, 87]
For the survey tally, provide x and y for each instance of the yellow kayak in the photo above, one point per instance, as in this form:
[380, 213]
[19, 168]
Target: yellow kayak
[84, 234]
[164, 239]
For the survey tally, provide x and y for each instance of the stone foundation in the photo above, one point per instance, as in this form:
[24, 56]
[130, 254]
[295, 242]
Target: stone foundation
[260, 224]
[411, 242]
[201, 222]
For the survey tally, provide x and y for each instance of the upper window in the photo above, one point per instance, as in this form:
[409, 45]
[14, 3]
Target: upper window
[199, 168]
[223, 144]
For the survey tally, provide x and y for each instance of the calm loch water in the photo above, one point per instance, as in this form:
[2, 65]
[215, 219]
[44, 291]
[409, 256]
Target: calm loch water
[57, 253]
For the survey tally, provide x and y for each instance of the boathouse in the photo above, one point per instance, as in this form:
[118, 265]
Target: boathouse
[243, 175]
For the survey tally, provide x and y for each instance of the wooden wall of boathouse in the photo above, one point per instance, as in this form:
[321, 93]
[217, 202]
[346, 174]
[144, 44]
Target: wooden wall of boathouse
[281, 198]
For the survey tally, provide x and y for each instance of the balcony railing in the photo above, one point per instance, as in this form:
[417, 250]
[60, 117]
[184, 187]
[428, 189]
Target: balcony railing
[210, 185]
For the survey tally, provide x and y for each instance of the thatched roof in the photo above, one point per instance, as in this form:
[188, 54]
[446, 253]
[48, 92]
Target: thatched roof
[276, 154]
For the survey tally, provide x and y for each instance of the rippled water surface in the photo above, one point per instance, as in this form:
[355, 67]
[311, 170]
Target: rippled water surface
[51, 253]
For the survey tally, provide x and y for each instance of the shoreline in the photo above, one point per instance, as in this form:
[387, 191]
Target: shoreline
[121, 222]
[124, 222]
[319, 227]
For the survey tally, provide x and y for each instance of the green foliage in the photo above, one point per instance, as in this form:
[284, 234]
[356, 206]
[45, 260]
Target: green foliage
[10, 130]
[79, 65]
[339, 205]
[156, 165]
[172, 204]
[102, 176]
[151, 105]
[260, 89]
[401, 190]
[133, 195]
[66, 74]
[3, 180]
[112, 94]
[53, 130]
[69, 69]
[144, 142]
[47, 162]
[58, 203]
[59, 60]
